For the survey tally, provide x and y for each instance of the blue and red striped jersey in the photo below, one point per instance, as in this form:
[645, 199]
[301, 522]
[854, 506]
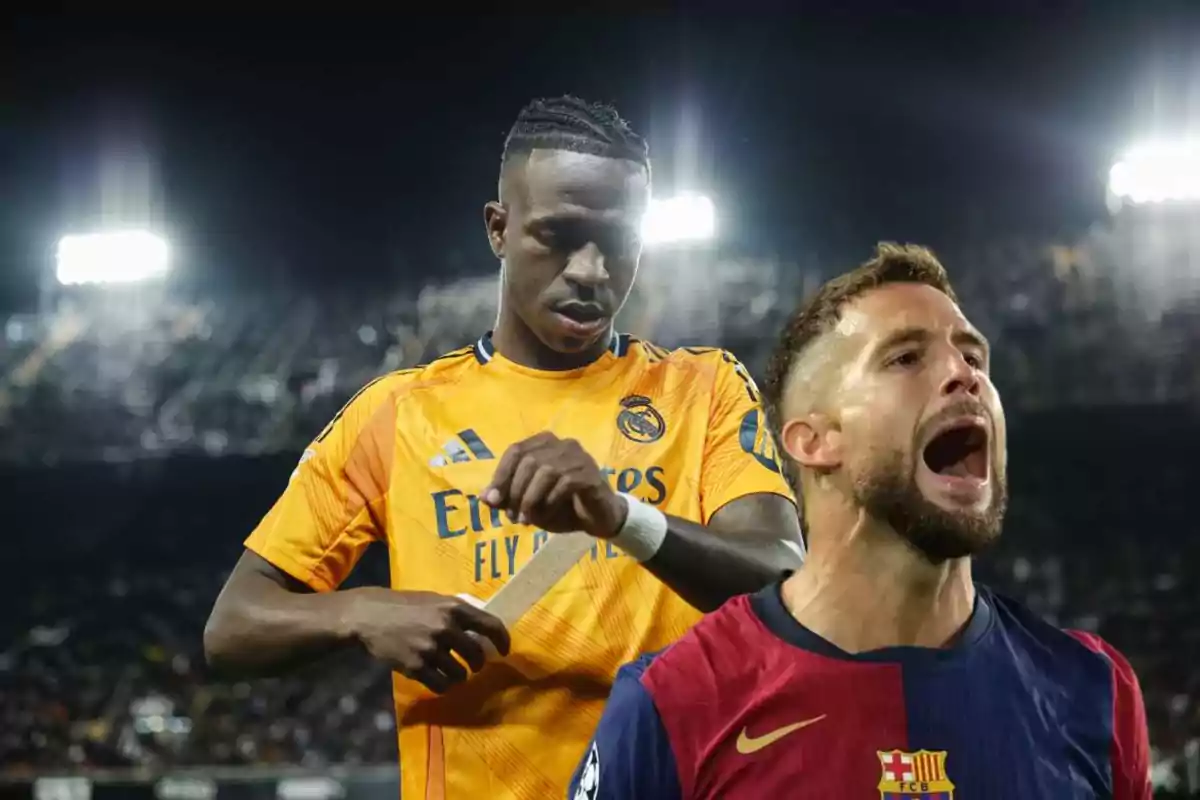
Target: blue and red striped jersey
[751, 704]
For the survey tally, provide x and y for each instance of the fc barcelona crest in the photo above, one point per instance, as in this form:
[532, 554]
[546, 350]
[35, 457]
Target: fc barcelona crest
[911, 775]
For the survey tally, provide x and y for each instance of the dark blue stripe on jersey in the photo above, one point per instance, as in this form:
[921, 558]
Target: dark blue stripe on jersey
[475, 444]
[1052, 701]
[630, 756]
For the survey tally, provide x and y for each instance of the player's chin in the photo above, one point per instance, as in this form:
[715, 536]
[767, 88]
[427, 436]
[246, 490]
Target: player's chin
[568, 335]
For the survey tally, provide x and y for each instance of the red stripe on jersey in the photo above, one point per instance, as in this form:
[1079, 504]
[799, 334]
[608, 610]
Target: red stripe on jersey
[744, 685]
[1131, 740]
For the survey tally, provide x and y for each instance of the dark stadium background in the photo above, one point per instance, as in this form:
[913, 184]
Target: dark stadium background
[320, 181]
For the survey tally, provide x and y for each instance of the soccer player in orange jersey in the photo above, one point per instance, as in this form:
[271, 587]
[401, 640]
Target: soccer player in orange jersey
[465, 466]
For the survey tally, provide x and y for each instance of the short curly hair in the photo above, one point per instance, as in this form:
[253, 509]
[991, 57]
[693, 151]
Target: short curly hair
[569, 123]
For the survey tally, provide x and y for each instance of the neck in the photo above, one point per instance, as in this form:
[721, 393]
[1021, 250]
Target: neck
[863, 587]
[514, 340]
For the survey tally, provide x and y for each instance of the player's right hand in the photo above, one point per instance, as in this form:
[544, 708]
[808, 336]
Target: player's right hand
[418, 634]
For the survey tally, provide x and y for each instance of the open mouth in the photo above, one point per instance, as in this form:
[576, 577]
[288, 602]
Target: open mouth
[960, 451]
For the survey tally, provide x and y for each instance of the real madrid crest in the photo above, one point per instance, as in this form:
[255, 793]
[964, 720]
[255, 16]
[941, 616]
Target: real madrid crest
[639, 421]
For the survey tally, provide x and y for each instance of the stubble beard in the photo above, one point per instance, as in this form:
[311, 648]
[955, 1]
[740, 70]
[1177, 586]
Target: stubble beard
[890, 493]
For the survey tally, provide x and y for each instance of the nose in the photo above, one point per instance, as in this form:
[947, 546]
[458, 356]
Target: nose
[586, 268]
[961, 377]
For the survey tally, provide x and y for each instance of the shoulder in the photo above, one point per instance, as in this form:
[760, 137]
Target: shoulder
[1025, 629]
[709, 655]
[376, 403]
[630, 755]
[702, 684]
[677, 684]
[1124, 678]
[1077, 658]
[634, 672]
[1126, 692]
[1130, 750]
[445, 368]
[711, 367]
[715, 359]
[1017, 618]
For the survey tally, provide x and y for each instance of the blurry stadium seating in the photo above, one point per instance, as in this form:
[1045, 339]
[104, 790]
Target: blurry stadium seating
[141, 441]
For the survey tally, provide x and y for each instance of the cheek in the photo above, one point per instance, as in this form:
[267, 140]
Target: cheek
[886, 444]
[863, 438]
[1001, 445]
[875, 418]
[529, 275]
[876, 440]
[1000, 426]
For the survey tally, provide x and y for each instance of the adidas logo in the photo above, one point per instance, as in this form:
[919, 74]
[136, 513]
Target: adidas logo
[466, 446]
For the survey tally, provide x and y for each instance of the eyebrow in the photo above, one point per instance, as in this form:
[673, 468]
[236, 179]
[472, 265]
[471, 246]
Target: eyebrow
[915, 335]
[578, 220]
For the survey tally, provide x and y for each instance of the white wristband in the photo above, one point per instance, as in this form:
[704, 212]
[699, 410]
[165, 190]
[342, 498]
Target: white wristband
[644, 530]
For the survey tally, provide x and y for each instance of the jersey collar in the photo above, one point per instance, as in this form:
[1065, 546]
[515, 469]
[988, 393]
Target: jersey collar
[485, 350]
[768, 606]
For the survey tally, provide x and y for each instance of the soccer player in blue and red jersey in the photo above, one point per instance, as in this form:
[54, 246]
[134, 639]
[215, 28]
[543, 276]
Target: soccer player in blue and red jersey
[879, 669]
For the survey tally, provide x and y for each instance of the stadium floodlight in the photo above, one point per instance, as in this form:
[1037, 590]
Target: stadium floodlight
[683, 218]
[111, 257]
[1158, 172]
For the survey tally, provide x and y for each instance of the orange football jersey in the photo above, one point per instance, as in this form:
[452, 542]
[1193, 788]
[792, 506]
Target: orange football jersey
[405, 462]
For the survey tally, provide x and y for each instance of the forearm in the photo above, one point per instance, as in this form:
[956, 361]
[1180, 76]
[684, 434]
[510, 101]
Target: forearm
[270, 629]
[706, 570]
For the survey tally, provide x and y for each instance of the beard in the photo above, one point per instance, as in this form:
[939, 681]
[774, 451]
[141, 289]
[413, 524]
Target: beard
[890, 493]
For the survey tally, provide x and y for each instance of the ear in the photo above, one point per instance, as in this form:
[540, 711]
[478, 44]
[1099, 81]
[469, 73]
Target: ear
[813, 441]
[495, 220]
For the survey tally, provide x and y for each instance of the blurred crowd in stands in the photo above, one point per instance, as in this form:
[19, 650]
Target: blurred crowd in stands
[121, 551]
[120, 374]
[102, 663]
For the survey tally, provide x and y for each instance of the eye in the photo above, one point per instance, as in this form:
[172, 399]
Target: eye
[546, 236]
[975, 360]
[908, 358]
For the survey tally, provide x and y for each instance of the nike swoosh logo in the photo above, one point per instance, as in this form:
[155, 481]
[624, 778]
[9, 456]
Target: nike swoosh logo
[747, 745]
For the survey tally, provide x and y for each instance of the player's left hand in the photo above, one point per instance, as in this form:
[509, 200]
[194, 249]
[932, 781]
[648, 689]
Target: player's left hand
[555, 485]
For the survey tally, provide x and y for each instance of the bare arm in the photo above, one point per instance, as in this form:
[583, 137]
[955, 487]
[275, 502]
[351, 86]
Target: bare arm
[268, 616]
[266, 621]
[749, 543]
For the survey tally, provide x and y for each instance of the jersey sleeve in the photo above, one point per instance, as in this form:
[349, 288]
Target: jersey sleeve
[630, 756]
[1131, 739]
[332, 507]
[740, 457]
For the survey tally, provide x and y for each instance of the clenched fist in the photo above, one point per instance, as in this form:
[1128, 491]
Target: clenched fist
[555, 485]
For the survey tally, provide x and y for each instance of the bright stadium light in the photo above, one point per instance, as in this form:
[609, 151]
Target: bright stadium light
[683, 218]
[1158, 172]
[113, 257]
